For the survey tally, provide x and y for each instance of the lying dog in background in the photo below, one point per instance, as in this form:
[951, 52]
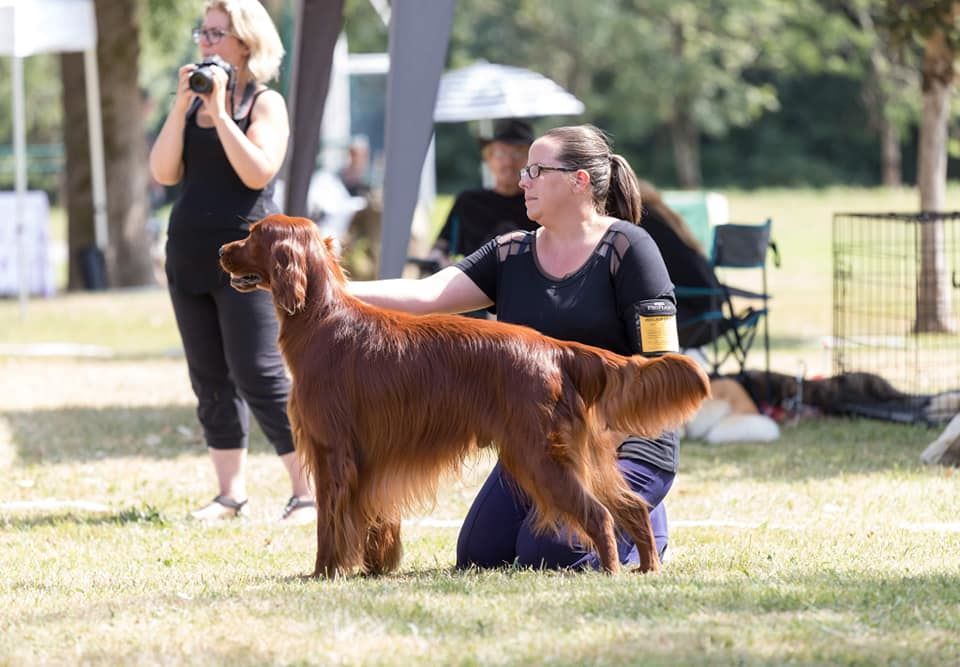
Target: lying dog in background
[383, 403]
[730, 415]
[829, 395]
[745, 407]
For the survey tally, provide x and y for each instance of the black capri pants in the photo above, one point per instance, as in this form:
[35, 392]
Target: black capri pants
[230, 342]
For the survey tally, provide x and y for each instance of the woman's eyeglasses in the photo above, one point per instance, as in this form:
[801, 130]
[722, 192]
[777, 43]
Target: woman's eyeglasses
[533, 171]
[211, 35]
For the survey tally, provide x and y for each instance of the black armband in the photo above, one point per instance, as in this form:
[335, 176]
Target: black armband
[654, 329]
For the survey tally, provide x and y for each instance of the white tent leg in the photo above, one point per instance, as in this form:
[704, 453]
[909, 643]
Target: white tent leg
[97, 170]
[20, 183]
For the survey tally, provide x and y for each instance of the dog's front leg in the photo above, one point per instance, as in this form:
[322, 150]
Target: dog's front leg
[326, 563]
[333, 514]
[340, 526]
[316, 458]
[383, 548]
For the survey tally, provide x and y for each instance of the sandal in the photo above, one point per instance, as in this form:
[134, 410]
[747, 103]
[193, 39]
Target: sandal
[221, 507]
[299, 511]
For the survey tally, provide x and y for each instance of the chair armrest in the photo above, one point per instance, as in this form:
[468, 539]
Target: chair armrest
[682, 291]
[746, 294]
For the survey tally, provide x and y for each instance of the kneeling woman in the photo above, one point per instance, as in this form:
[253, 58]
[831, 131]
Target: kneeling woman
[586, 274]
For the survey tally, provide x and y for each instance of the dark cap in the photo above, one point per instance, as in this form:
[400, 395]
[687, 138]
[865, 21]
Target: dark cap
[510, 131]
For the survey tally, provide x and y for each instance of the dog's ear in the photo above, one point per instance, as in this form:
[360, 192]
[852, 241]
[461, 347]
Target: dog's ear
[288, 277]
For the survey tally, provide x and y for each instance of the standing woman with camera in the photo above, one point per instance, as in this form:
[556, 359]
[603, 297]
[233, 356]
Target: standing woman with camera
[224, 142]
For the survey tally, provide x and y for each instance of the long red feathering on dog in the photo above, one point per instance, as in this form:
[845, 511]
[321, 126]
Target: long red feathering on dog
[384, 403]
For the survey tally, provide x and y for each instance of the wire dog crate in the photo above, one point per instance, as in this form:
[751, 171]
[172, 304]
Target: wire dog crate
[896, 310]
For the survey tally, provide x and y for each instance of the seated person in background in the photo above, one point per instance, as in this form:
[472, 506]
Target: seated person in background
[356, 173]
[479, 215]
[685, 258]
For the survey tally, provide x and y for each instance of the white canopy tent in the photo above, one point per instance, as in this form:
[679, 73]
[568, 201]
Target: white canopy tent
[30, 27]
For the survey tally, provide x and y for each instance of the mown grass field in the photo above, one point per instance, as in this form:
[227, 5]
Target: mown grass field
[833, 545]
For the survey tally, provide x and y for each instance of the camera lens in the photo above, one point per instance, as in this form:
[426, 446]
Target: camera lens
[201, 80]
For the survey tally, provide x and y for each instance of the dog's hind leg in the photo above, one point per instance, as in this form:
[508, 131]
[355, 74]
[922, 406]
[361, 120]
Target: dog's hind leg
[558, 492]
[383, 548]
[632, 515]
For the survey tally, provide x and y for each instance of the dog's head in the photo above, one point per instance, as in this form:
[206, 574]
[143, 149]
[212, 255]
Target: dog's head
[280, 254]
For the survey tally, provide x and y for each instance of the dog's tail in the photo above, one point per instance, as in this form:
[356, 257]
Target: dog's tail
[637, 394]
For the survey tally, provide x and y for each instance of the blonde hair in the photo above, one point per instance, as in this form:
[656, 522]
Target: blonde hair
[252, 25]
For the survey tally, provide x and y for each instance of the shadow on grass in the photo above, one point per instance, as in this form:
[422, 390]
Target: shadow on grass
[146, 515]
[89, 434]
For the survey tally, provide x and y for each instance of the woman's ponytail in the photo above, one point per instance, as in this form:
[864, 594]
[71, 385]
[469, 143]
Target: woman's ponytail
[623, 197]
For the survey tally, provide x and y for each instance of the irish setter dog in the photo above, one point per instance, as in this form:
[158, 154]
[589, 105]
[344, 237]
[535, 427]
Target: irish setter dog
[384, 403]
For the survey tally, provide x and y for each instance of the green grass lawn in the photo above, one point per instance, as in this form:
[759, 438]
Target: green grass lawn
[833, 545]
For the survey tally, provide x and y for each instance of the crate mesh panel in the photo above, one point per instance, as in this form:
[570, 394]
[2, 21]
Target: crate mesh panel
[881, 305]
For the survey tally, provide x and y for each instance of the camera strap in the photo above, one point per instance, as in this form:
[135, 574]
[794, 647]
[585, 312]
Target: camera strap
[244, 106]
[194, 106]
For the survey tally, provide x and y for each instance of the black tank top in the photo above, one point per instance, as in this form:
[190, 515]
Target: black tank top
[212, 208]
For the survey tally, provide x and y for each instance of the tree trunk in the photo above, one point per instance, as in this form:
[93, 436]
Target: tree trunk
[877, 101]
[933, 287]
[890, 154]
[686, 146]
[78, 186]
[125, 143]
[684, 133]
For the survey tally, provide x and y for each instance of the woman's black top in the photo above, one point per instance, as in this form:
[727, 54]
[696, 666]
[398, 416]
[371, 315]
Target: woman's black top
[214, 207]
[597, 304]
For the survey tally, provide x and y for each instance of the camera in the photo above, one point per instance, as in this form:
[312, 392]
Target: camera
[201, 79]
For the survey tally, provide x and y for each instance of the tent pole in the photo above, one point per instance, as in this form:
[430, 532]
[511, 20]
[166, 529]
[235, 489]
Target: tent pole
[97, 170]
[290, 94]
[419, 34]
[320, 25]
[20, 182]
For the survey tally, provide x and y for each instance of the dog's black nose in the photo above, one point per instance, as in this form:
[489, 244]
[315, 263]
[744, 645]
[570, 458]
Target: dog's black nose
[220, 254]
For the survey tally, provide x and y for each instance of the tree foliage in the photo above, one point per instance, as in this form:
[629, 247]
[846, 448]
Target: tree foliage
[42, 118]
[752, 76]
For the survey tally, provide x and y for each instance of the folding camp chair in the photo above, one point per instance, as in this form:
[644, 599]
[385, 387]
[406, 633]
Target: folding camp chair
[723, 320]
